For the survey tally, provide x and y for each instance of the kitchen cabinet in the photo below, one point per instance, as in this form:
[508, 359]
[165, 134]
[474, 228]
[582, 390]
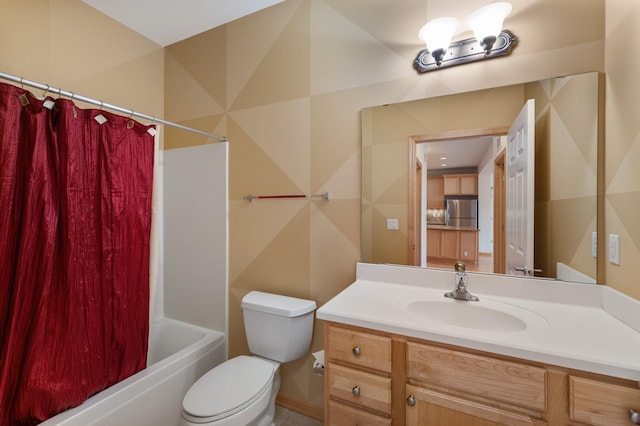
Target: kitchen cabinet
[461, 184]
[451, 244]
[434, 243]
[435, 192]
[468, 246]
[378, 378]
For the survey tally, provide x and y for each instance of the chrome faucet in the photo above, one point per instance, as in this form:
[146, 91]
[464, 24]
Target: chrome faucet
[460, 292]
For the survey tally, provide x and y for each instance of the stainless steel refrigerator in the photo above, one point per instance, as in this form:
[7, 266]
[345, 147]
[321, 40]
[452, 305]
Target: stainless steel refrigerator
[461, 211]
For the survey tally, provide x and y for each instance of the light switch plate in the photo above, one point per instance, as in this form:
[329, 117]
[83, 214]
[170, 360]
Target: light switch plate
[392, 224]
[594, 244]
[614, 249]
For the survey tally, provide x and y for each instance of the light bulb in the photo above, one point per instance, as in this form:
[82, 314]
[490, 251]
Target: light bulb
[487, 21]
[437, 35]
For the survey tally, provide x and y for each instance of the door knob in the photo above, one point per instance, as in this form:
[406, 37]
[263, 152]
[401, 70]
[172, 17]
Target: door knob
[356, 390]
[411, 401]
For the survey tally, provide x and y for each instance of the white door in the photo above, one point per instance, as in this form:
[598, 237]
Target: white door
[520, 192]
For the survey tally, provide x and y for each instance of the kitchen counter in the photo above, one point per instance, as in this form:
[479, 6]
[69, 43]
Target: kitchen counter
[582, 326]
[452, 228]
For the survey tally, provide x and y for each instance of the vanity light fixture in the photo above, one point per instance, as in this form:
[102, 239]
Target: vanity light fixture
[489, 41]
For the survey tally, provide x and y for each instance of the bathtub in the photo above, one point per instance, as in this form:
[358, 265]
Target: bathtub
[179, 354]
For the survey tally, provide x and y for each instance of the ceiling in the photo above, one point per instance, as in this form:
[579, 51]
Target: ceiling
[169, 21]
[462, 153]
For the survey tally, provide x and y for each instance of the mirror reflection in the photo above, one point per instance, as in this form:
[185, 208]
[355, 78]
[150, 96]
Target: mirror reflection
[417, 211]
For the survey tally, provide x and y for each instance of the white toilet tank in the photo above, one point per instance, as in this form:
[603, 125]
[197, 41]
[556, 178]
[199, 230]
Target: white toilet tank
[278, 327]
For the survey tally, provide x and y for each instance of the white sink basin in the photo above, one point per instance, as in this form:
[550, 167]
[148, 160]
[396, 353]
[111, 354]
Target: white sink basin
[486, 314]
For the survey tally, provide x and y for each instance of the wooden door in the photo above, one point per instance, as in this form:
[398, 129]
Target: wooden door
[520, 192]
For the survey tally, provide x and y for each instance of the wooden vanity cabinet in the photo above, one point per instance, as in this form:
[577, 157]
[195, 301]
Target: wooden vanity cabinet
[401, 380]
[357, 377]
[601, 402]
[451, 387]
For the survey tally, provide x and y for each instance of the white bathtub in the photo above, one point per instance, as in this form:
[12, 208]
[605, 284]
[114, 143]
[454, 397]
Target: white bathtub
[179, 354]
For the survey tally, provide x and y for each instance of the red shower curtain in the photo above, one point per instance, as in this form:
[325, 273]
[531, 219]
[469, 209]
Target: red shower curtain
[75, 220]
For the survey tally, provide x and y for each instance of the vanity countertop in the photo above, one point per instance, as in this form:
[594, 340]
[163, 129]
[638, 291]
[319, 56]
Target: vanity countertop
[582, 326]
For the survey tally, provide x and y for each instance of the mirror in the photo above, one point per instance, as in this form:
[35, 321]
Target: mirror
[567, 172]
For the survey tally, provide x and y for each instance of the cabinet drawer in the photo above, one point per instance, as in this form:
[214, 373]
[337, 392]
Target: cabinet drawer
[344, 415]
[358, 387]
[362, 349]
[496, 379]
[599, 403]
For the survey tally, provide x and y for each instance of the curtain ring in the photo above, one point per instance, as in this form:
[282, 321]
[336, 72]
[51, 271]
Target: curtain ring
[44, 94]
[73, 106]
[101, 105]
[131, 113]
[22, 82]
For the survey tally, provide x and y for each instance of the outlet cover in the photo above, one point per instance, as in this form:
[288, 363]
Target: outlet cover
[392, 224]
[614, 249]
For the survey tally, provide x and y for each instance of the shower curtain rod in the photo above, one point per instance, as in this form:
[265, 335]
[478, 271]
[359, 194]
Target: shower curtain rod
[101, 104]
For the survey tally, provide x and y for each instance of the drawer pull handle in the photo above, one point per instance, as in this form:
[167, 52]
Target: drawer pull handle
[356, 390]
[634, 416]
[356, 350]
[411, 401]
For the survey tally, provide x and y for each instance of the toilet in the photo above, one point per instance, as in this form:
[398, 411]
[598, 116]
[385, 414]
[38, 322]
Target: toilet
[242, 390]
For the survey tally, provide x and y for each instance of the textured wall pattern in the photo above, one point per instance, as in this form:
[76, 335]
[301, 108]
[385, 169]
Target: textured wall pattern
[566, 196]
[287, 86]
[622, 152]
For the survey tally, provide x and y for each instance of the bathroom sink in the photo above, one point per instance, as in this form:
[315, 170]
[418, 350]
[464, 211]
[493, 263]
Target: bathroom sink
[485, 315]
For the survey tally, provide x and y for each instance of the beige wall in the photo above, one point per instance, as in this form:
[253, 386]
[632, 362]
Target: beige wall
[622, 152]
[71, 46]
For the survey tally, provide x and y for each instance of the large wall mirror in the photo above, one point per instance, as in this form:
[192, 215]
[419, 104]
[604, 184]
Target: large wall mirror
[404, 147]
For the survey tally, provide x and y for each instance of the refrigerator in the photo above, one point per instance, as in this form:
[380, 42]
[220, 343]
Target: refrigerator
[461, 211]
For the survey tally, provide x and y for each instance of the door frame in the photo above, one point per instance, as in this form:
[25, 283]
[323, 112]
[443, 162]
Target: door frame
[413, 221]
[499, 212]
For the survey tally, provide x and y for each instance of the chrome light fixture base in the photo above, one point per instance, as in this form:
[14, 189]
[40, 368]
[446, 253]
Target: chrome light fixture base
[465, 51]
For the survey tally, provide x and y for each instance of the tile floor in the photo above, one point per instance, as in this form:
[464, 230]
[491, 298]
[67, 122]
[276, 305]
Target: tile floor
[285, 417]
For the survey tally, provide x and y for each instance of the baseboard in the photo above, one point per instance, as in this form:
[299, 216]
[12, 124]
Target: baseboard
[300, 406]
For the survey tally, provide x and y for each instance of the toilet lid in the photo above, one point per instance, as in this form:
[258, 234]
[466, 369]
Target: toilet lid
[229, 387]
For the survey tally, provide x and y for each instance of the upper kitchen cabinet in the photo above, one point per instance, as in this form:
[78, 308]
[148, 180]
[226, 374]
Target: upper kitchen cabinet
[463, 184]
[435, 192]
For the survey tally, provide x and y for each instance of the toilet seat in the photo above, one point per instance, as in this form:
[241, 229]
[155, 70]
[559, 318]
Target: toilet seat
[228, 389]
